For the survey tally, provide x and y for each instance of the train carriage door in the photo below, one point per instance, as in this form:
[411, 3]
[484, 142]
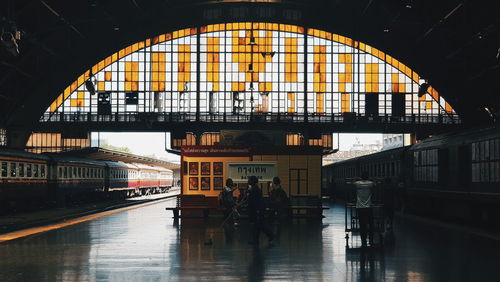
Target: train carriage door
[464, 166]
[298, 181]
[443, 167]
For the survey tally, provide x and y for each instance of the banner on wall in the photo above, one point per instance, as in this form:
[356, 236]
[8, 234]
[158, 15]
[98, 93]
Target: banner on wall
[240, 171]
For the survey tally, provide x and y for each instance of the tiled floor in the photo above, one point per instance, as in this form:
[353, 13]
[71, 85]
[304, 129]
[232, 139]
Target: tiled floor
[147, 245]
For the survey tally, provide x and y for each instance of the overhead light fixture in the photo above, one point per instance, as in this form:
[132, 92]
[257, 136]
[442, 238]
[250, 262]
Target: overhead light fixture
[498, 53]
[408, 4]
[422, 89]
[268, 54]
[90, 83]
[386, 30]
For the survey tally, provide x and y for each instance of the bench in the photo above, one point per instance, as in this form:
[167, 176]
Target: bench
[190, 203]
[311, 205]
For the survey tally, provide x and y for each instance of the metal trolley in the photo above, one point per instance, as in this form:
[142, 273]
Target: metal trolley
[352, 219]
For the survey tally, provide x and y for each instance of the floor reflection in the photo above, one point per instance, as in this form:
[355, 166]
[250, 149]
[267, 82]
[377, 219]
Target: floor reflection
[146, 244]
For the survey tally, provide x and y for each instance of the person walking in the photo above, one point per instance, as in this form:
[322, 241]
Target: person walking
[364, 192]
[256, 209]
[226, 201]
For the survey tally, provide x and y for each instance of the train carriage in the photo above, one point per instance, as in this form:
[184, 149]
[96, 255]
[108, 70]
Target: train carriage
[74, 176]
[453, 176]
[385, 165]
[166, 178]
[149, 178]
[23, 178]
[36, 180]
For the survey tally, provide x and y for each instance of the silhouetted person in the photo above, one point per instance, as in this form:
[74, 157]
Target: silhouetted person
[256, 209]
[226, 200]
[278, 199]
[364, 192]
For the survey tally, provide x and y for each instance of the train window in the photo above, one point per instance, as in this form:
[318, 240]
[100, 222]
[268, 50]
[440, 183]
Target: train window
[79, 172]
[65, 172]
[28, 170]
[35, 170]
[13, 169]
[42, 171]
[21, 170]
[486, 161]
[60, 172]
[4, 169]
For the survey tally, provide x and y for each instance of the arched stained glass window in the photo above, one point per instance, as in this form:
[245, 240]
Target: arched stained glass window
[240, 68]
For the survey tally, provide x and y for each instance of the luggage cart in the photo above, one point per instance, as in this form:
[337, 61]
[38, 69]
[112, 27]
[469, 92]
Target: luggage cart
[352, 219]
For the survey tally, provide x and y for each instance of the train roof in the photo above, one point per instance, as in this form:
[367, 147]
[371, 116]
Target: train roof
[73, 160]
[371, 156]
[6, 152]
[118, 164]
[458, 137]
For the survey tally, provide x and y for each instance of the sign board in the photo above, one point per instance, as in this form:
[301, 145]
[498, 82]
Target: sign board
[214, 151]
[240, 171]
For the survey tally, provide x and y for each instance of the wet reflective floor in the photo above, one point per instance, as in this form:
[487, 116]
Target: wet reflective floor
[146, 244]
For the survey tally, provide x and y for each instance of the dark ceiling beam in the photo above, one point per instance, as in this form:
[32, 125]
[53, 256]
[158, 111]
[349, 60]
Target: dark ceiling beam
[62, 19]
[441, 21]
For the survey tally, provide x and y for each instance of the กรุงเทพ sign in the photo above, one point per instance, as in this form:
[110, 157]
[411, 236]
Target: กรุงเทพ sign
[240, 171]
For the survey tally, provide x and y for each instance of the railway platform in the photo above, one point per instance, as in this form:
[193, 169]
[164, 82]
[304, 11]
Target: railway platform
[147, 244]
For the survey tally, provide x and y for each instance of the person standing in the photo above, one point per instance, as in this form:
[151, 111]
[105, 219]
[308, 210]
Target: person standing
[256, 209]
[278, 199]
[364, 192]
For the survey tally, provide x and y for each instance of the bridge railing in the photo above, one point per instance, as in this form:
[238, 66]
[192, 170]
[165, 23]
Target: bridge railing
[248, 117]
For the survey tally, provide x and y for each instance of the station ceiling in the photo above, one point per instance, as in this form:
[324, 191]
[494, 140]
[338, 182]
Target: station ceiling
[454, 44]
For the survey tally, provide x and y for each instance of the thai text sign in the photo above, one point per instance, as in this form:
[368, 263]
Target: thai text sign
[240, 171]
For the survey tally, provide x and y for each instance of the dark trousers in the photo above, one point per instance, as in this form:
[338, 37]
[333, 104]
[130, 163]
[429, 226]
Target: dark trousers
[365, 216]
[229, 214]
[259, 225]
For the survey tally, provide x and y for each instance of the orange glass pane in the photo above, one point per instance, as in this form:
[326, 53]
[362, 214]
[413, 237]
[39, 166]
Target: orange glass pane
[320, 103]
[291, 102]
[100, 86]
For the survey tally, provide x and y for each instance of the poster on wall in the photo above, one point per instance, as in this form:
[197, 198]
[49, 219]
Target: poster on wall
[193, 168]
[193, 183]
[218, 183]
[240, 171]
[205, 183]
[218, 168]
[205, 168]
